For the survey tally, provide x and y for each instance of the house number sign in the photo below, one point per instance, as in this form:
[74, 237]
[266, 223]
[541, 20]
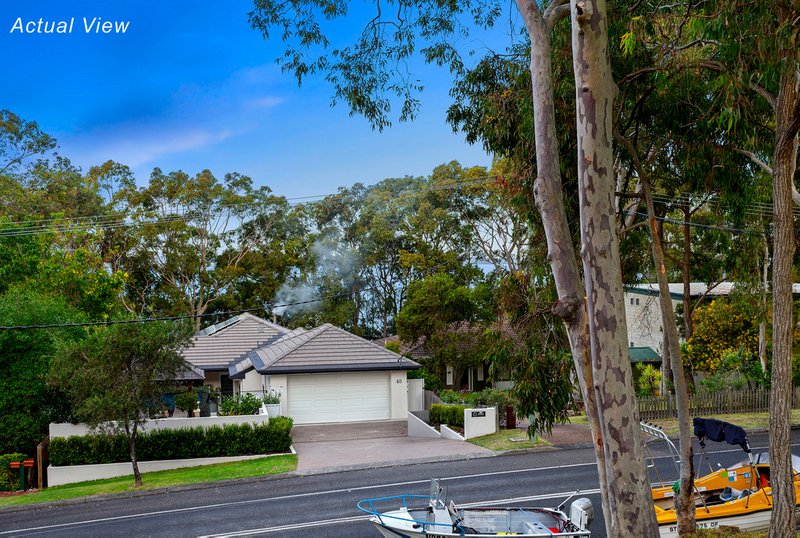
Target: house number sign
[479, 413]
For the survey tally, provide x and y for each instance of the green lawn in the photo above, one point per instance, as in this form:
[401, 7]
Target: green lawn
[748, 421]
[503, 440]
[176, 477]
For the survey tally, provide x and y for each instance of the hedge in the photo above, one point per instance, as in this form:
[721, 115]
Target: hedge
[452, 415]
[184, 443]
[9, 479]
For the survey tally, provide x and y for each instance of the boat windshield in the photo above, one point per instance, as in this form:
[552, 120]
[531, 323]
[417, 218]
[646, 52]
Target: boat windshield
[762, 458]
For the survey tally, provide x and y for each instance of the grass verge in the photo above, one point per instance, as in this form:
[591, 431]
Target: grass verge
[159, 479]
[503, 440]
[748, 421]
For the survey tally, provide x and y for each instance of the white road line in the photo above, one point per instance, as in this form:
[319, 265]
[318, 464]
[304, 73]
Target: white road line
[311, 494]
[292, 527]
[299, 526]
[286, 497]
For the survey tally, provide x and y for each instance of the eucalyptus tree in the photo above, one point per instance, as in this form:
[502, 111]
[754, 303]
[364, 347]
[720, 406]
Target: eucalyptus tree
[755, 48]
[369, 73]
[185, 250]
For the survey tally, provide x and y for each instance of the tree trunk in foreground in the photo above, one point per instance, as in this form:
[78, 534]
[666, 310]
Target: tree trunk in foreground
[550, 202]
[632, 512]
[684, 502]
[787, 114]
[137, 475]
[684, 505]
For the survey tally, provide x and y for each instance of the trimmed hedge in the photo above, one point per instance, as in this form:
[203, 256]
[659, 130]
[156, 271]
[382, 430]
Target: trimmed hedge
[184, 443]
[452, 415]
[9, 479]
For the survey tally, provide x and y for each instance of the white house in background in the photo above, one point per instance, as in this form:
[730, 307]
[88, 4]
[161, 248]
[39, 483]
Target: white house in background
[322, 375]
[643, 313]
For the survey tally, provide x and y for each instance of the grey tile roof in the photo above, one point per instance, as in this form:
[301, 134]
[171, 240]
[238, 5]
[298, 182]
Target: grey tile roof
[216, 347]
[325, 349]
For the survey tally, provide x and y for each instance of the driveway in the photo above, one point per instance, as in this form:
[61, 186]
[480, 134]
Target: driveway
[358, 445]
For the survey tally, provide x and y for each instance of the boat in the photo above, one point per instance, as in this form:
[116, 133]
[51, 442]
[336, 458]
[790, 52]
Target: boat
[431, 516]
[737, 496]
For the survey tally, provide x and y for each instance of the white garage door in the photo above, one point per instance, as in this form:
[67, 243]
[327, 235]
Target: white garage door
[341, 397]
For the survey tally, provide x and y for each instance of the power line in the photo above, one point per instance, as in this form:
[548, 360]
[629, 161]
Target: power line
[110, 222]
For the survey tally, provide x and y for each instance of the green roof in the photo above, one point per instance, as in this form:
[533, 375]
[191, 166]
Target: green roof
[643, 354]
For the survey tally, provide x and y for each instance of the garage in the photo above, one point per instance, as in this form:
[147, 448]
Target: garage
[338, 397]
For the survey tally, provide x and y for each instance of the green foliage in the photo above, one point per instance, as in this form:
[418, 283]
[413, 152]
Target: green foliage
[369, 73]
[393, 345]
[432, 380]
[28, 404]
[721, 328]
[648, 380]
[216, 441]
[487, 396]
[240, 404]
[9, 478]
[271, 398]
[738, 369]
[186, 401]
[452, 415]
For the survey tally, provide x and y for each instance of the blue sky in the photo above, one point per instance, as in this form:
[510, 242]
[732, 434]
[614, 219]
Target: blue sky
[191, 86]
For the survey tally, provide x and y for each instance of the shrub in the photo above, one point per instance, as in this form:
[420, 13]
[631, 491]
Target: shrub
[9, 478]
[184, 443]
[271, 398]
[452, 415]
[186, 401]
[240, 404]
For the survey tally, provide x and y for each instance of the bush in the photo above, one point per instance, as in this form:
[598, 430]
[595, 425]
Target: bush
[184, 443]
[452, 415]
[9, 478]
[240, 404]
[186, 401]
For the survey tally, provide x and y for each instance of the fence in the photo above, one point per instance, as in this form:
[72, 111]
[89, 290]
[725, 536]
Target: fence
[738, 401]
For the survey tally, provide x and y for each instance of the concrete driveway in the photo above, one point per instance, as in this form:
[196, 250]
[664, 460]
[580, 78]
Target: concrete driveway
[357, 445]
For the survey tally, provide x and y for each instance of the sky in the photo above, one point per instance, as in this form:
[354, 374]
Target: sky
[189, 85]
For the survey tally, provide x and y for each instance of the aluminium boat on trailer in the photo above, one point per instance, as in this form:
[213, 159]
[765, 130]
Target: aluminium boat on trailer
[431, 516]
[736, 496]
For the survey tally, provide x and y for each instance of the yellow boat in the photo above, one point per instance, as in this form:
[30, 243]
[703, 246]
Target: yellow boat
[737, 496]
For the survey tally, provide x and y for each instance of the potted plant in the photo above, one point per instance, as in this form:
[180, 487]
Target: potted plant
[186, 401]
[272, 403]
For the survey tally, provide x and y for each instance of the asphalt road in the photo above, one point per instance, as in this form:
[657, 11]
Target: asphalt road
[324, 505]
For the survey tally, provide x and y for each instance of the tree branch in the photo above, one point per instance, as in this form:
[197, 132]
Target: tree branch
[556, 11]
[755, 159]
[763, 92]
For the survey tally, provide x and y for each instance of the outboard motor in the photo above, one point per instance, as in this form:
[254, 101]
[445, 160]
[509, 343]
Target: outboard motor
[581, 513]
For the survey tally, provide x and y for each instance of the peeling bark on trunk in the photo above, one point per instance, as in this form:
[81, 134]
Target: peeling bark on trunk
[632, 514]
[787, 112]
[561, 252]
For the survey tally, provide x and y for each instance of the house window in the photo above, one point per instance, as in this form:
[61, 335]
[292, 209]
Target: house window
[637, 302]
[480, 373]
[631, 344]
[449, 376]
[631, 300]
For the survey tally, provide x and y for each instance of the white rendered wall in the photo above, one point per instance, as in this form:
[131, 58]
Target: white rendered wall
[398, 397]
[482, 421]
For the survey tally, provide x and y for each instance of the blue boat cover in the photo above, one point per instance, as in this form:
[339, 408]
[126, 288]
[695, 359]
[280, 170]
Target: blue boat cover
[717, 430]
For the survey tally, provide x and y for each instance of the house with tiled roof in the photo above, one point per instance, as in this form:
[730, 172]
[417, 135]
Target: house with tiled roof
[322, 375]
[214, 348]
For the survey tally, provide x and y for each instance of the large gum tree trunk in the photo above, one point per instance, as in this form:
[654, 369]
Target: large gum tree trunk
[787, 109]
[550, 202]
[685, 499]
[632, 514]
